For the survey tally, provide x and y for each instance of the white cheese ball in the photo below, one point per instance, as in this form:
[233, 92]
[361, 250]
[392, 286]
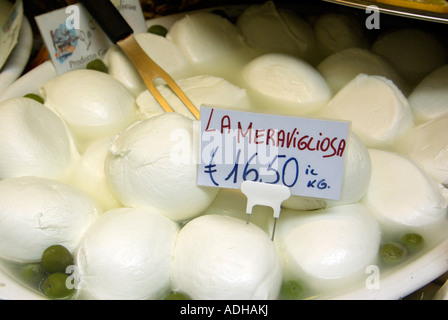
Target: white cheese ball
[430, 97]
[205, 36]
[338, 31]
[94, 104]
[223, 258]
[273, 29]
[152, 165]
[34, 141]
[328, 248]
[377, 109]
[413, 52]
[401, 194]
[357, 172]
[37, 213]
[164, 53]
[89, 174]
[232, 202]
[427, 145]
[286, 83]
[200, 90]
[355, 180]
[342, 67]
[126, 254]
[121, 68]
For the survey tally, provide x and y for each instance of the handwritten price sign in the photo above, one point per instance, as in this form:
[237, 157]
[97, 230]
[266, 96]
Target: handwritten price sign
[304, 154]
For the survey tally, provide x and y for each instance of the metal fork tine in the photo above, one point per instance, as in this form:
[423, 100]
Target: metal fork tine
[182, 96]
[152, 71]
[160, 99]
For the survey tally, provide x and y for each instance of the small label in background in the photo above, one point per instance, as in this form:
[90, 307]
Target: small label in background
[304, 154]
[10, 30]
[73, 38]
[132, 12]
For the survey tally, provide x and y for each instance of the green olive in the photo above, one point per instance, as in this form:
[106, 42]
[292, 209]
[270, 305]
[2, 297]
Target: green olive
[392, 253]
[32, 274]
[56, 258]
[55, 286]
[292, 290]
[98, 65]
[176, 295]
[412, 241]
[34, 97]
[158, 29]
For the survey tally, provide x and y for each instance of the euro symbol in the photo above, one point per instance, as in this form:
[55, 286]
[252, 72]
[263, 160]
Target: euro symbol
[210, 169]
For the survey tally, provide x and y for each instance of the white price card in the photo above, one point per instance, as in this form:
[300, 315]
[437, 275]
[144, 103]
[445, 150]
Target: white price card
[307, 155]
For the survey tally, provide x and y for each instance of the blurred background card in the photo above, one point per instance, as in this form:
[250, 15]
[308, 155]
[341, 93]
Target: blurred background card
[11, 16]
[132, 12]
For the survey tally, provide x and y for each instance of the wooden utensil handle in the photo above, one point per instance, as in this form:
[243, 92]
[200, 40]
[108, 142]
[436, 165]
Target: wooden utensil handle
[109, 18]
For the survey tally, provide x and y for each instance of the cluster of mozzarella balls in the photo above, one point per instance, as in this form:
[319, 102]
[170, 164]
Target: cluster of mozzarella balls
[93, 168]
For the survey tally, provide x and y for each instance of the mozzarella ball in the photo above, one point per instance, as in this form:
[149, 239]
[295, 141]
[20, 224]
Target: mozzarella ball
[430, 97]
[34, 141]
[427, 145]
[121, 68]
[200, 90]
[223, 258]
[290, 84]
[232, 202]
[152, 165]
[328, 248]
[126, 254]
[37, 213]
[304, 203]
[94, 104]
[205, 36]
[413, 52]
[164, 53]
[355, 180]
[357, 172]
[342, 67]
[401, 194]
[377, 109]
[89, 174]
[337, 31]
[273, 29]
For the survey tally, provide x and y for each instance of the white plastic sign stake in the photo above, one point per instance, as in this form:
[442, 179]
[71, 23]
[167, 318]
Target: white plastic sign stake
[264, 194]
